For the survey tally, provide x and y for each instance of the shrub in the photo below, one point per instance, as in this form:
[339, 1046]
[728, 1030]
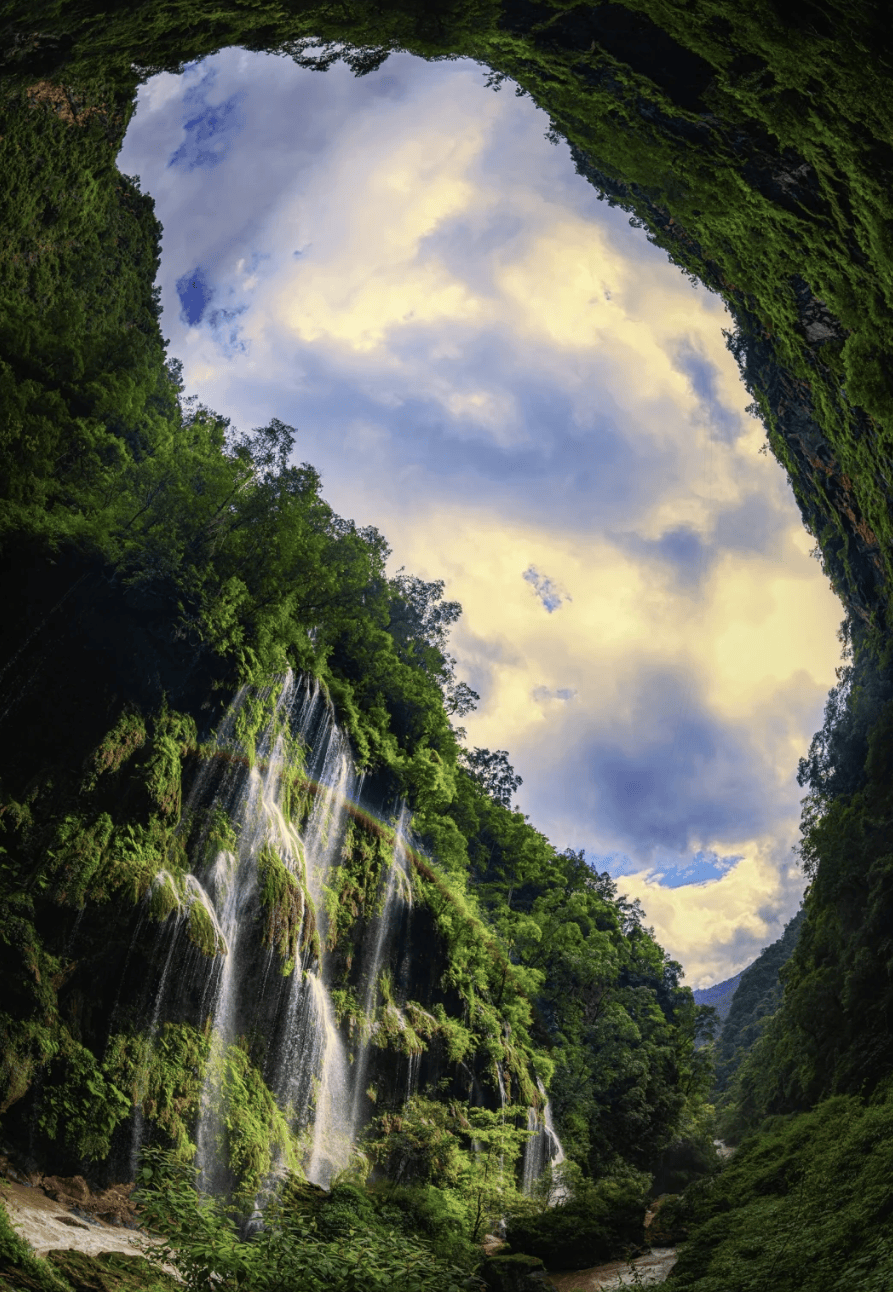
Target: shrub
[601, 1222]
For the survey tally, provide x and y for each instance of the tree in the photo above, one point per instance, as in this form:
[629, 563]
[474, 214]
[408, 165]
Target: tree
[419, 623]
[492, 772]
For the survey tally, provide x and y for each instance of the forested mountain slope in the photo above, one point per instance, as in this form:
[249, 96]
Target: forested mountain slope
[756, 999]
[719, 996]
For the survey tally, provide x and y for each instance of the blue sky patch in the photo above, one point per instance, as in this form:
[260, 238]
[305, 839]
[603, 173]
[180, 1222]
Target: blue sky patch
[547, 591]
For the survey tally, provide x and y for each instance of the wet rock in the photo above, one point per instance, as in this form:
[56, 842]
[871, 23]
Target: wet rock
[69, 1190]
[112, 1205]
[18, 1167]
[29, 1180]
[73, 1221]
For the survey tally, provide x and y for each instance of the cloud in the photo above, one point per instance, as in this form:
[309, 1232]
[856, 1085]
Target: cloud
[486, 362]
[724, 423]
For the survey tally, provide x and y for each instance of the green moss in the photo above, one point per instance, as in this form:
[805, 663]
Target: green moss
[298, 798]
[459, 1040]
[344, 1004]
[422, 1023]
[80, 1103]
[174, 736]
[393, 1031]
[135, 856]
[256, 711]
[221, 832]
[111, 1272]
[164, 1076]
[201, 929]
[126, 737]
[353, 891]
[165, 896]
[77, 855]
[254, 1134]
[290, 924]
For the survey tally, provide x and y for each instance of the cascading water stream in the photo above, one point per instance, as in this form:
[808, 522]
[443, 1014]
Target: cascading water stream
[233, 882]
[308, 1051]
[412, 1076]
[543, 1149]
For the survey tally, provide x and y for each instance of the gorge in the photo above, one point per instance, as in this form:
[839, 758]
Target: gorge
[275, 947]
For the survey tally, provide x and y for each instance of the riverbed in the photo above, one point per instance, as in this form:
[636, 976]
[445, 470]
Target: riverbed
[652, 1267]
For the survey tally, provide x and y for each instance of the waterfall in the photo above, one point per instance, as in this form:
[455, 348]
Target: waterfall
[543, 1149]
[221, 899]
[303, 1008]
[412, 1076]
[533, 1166]
[333, 1123]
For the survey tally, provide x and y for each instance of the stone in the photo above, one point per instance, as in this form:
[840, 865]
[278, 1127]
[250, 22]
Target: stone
[73, 1187]
[71, 1220]
[515, 1273]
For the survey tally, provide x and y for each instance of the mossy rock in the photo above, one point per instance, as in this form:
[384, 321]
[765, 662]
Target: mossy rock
[666, 1228]
[514, 1272]
[302, 1197]
[111, 1272]
[201, 931]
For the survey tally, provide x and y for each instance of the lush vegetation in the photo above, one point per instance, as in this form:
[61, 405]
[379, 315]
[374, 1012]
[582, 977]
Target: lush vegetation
[804, 1206]
[131, 525]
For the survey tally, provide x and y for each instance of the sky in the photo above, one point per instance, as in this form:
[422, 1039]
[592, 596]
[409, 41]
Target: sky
[533, 404]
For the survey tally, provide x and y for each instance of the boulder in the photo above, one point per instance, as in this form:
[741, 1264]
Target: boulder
[515, 1273]
[69, 1190]
[113, 1205]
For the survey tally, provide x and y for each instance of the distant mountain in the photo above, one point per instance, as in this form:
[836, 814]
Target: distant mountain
[720, 994]
[746, 1002]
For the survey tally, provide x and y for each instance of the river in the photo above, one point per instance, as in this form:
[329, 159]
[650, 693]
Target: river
[652, 1267]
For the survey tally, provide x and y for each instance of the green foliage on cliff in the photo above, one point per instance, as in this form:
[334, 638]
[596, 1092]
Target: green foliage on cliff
[620, 1029]
[290, 920]
[365, 855]
[756, 999]
[164, 1076]
[341, 1245]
